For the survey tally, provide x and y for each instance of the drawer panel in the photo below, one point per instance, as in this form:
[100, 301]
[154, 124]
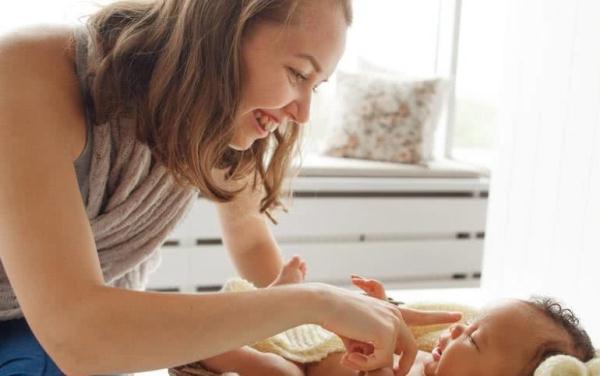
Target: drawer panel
[331, 262]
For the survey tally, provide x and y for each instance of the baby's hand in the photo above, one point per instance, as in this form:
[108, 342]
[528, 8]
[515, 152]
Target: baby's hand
[372, 287]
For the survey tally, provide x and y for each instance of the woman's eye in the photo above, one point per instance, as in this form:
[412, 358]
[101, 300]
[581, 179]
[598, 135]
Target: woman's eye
[297, 75]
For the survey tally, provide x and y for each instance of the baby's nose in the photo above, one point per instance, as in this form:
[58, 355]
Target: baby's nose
[456, 330]
[443, 341]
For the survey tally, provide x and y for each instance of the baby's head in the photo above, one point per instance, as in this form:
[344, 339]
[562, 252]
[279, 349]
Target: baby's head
[510, 339]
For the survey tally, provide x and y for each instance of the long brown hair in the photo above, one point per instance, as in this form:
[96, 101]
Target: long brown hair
[175, 66]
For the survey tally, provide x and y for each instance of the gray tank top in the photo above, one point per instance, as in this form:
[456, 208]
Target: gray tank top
[82, 163]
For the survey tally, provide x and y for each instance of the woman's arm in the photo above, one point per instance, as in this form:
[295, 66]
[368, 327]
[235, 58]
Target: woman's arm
[48, 251]
[248, 238]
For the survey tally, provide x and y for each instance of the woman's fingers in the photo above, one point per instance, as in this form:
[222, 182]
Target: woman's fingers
[353, 346]
[417, 317]
[366, 356]
[373, 330]
[406, 346]
[380, 358]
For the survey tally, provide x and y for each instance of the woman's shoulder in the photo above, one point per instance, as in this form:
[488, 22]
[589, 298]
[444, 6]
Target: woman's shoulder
[39, 84]
[37, 51]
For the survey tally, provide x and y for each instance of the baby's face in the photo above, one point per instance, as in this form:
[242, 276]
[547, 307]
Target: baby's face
[508, 339]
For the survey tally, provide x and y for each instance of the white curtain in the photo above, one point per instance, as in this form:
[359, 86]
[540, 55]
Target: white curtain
[543, 231]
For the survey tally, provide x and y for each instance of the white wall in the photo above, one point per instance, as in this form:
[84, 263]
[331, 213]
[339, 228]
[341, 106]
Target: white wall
[16, 14]
[544, 216]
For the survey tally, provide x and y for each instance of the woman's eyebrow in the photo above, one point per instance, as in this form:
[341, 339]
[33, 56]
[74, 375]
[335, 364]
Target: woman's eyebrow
[312, 60]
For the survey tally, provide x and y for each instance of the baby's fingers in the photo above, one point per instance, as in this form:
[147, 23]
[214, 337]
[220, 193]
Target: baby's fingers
[370, 286]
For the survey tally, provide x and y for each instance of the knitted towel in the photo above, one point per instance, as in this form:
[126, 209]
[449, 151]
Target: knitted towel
[303, 344]
[426, 337]
[310, 343]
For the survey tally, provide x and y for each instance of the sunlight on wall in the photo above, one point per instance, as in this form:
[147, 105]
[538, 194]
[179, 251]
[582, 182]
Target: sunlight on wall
[21, 13]
[544, 215]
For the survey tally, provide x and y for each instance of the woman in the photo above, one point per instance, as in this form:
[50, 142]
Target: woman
[106, 136]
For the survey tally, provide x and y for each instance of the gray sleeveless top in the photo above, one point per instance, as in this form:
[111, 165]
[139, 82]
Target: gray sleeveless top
[82, 163]
[131, 200]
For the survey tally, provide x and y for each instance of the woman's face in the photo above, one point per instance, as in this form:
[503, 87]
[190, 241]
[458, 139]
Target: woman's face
[282, 65]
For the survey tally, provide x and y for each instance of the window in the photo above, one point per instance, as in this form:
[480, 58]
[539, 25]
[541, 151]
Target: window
[416, 38]
[398, 36]
[477, 84]
[460, 40]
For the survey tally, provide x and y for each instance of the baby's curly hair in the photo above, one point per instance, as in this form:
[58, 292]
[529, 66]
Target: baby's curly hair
[566, 319]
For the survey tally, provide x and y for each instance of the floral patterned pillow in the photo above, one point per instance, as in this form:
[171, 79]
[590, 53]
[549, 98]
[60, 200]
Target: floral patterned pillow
[381, 117]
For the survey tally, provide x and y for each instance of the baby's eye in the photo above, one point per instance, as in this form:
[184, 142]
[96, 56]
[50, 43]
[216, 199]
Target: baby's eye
[472, 340]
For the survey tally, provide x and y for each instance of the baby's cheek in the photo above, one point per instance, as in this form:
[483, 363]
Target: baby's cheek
[430, 368]
[457, 360]
[443, 340]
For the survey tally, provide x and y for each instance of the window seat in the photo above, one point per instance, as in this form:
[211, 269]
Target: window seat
[323, 166]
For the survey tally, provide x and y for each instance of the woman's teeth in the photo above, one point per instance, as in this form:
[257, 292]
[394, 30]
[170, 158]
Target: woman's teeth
[266, 122]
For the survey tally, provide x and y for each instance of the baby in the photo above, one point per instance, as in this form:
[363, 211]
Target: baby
[508, 338]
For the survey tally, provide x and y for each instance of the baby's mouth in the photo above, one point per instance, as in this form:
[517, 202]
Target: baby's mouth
[437, 353]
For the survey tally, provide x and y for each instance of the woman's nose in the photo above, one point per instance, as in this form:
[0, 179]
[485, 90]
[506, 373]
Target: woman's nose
[299, 110]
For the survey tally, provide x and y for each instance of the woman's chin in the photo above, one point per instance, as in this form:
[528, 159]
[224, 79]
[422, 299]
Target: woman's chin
[241, 145]
[237, 147]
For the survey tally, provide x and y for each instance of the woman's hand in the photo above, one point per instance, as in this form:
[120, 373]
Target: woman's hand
[374, 329]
